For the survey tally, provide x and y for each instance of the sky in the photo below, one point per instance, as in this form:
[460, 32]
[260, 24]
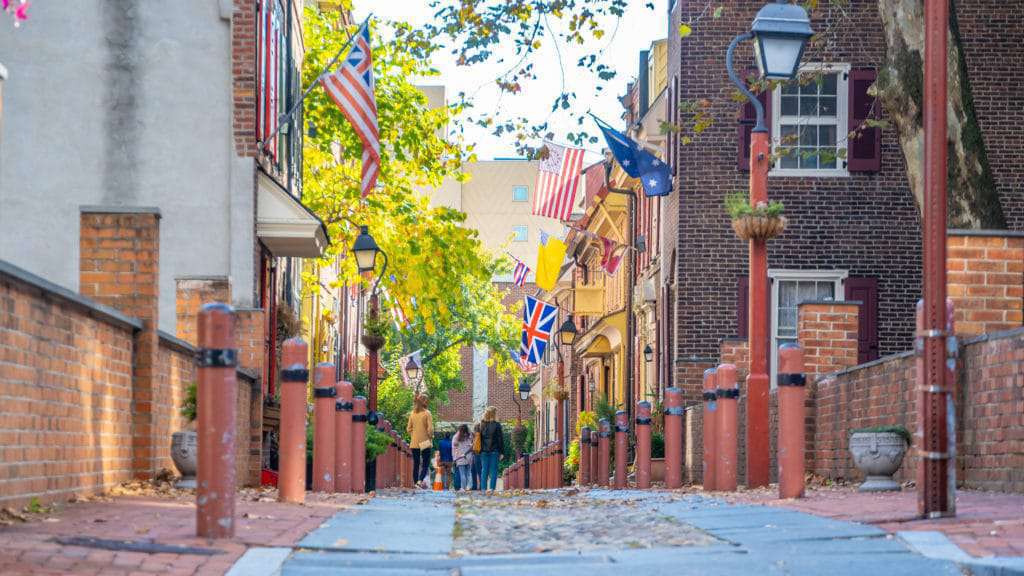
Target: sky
[622, 43]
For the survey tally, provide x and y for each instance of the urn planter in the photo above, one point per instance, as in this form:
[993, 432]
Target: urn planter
[184, 453]
[657, 469]
[878, 455]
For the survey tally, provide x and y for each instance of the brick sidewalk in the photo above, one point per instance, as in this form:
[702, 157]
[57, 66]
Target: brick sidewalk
[987, 523]
[30, 548]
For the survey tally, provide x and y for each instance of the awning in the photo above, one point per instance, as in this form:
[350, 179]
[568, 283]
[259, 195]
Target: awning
[605, 337]
[284, 225]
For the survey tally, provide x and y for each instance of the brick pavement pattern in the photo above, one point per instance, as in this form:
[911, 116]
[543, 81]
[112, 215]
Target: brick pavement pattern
[30, 549]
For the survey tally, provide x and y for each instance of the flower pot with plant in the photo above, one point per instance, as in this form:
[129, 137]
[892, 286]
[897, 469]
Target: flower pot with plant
[762, 222]
[185, 443]
[878, 453]
[375, 330]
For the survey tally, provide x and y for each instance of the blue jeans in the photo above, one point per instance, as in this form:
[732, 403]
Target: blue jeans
[488, 470]
[475, 472]
[463, 473]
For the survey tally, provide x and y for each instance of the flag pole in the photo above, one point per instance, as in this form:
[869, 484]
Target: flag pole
[287, 115]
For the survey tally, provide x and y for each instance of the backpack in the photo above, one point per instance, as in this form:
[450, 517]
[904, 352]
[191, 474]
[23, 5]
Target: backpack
[476, 442]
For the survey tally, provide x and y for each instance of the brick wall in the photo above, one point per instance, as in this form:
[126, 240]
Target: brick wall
[736, 351]
[66, 385]
[985, 280]
[243, 77]
[690, 376]
[190, 295]
[827, 331]
[119, 256]
[175, 371]
[251, 339]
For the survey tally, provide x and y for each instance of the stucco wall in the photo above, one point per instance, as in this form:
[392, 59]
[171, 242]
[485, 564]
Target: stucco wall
[126, 107]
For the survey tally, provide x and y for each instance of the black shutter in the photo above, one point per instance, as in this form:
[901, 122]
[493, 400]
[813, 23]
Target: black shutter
[864, 150]
[865, 290]
[747, 119]
[742, 306]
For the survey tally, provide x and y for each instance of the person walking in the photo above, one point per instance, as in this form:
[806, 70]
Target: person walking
[492, 446]
[462, 450]
[445, 460]
[475, 467]
[421, 432]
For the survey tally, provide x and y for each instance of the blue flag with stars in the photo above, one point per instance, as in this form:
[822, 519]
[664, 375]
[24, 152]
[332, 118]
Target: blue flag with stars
[654, 175]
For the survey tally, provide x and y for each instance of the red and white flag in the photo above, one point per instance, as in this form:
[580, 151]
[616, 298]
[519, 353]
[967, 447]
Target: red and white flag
[609, 260]
[351, 88]
[558, 179]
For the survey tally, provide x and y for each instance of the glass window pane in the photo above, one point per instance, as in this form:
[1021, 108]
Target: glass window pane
[789, 105]
[791, 88]
[827, 106]
[790, 135]
[828, 83]
[806, 291]
[519, 193]
[826, 290]
[826, 158]
[827, 135]
[808, 106]
[787, 319]
[790, 159]
[808, 136]
[787, 294]
[808, 158]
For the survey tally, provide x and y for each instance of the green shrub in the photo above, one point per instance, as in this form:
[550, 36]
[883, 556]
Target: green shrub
[188, 405]
[377, 443]
[657, 445]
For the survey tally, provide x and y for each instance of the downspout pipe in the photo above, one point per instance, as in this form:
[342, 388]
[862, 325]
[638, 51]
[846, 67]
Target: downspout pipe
[630, 267]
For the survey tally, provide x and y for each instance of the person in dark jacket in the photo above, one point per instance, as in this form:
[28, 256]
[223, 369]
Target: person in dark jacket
[475, 470]
[492, 446]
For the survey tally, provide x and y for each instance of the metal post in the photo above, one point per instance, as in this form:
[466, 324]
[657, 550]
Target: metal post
[673, 438]
[291, 482]
[324, 427]
[583, 475]
[595, 456]
[621, 448]
[932, 433]
[343, 437]
[216, 403]
[374, 360]
[604, 451]
[358, 444]
[791, 440]
[710, 426]
[728, 396]
[643, 445]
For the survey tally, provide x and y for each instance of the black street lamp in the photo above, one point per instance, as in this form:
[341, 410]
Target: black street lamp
[648, 353]
[414, 372]
[567, 333]
[365, 249]
[781, 31]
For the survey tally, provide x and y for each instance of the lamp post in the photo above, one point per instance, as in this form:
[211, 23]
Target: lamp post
[566, 336]
[522, 394]
[366, 249]
[414, 372]
[648, 353]
[780, 32]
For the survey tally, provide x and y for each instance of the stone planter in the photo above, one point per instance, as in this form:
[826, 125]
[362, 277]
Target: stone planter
[185, 453]
[878, 455]
[657, 469]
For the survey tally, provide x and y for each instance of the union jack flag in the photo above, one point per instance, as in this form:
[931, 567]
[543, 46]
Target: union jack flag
[538, 324]
[520, 273]
[351, 88]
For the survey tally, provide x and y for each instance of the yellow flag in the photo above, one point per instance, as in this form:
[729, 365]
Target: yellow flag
[549, 263]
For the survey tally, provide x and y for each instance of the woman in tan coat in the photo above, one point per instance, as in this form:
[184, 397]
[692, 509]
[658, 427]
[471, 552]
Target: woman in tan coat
[421, 432]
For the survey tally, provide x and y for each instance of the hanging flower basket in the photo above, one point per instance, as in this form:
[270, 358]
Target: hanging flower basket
[759, 227]
[372, 341]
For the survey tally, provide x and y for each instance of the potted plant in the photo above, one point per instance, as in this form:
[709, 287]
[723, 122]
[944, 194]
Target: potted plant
[878, 453]
[375, 330]
[184, 443]
[762, 222]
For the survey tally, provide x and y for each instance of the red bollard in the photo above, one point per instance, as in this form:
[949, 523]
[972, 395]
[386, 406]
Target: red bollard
[791, 443]
[673, 438]
[604, 451]
[643, 445]
[583, 473]
[343, 437]
[595, 456]
[710, 428]
[324, 434]
[216, 393]
[728, 395]
[552, 465]
[359, 444]
[291, 482]
[621, 448]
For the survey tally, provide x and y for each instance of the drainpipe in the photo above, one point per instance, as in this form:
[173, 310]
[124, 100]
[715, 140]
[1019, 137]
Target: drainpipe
[630, 267]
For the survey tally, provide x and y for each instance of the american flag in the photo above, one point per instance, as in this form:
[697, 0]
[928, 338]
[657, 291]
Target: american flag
[538, 324]
[520, 272]
[524, 366]
[270, 73]
[351, 88]
[558, 179]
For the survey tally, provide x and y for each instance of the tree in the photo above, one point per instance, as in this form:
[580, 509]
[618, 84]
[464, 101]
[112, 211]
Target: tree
[476, 28]
[438, 271]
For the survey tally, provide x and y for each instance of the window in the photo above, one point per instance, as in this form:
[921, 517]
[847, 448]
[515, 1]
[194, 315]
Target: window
[520, 234]
[520, 194]
[811, 123]
[789, 289]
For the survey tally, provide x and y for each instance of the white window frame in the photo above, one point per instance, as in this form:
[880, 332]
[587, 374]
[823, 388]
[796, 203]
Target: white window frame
[842, 123]
[838, 277]
[515, 233]
[526, 196]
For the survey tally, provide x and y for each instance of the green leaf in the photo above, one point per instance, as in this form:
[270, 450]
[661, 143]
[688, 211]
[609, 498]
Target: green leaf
[685, 30]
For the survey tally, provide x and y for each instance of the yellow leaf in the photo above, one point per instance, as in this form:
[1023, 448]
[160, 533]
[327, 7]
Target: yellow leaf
[685, 30]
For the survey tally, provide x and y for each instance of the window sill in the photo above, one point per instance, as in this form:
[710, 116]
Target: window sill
[807, 173]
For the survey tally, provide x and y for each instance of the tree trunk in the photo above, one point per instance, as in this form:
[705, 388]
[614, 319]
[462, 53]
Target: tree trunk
[973, 201]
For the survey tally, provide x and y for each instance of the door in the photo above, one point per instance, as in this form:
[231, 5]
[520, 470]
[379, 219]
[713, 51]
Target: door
[865, 291]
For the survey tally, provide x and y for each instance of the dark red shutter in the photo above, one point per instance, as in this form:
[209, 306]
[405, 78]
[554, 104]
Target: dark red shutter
[864, 152]
[865, 290]
[747, 119]
[742, 306]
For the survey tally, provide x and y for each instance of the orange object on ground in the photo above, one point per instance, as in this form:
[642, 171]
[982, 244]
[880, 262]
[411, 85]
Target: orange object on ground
[292, 446]
[343, 437]
[791, 421]
[621, 448]
[728, 395]
[324, 436]
[710, 435]
[673, 437]
[643, 445]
